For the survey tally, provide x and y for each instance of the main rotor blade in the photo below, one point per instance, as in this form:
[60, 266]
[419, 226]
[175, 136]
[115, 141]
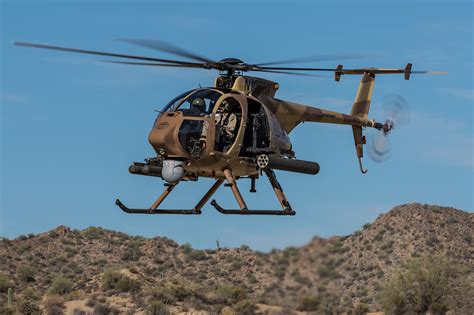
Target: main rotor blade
[328, 57]
[152, 64]
[429, 72]
[91, 52]
[297, 69]
[293, 73]
[166, 47]
[354, 71]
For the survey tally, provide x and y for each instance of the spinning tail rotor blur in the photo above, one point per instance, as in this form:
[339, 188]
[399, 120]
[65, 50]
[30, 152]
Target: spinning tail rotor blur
[396, 114]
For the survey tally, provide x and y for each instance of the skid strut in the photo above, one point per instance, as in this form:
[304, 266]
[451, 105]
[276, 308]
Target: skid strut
[240, 200]
[229, 177]
[154, 208]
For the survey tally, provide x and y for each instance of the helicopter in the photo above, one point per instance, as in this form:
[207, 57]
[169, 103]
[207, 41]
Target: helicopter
[237, 128]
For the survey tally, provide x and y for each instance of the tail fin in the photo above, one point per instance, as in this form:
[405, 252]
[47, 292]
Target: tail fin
[361, 109]
[364, 95]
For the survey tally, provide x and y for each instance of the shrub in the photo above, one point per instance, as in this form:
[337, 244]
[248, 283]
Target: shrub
[93, 232]
[186, 248]
[451, 220]
[244, 247]
[31, 294]
[28, 308]
[430, 283]
[26, 273]
[133, 252]
[4, 283]
[112, 279]
[230, 294]
[236, 265]
[157, 308]
[6, 310]
[309, 303]
[169, 293]
[431, 241]
[280, 271]
[196, 254]
[53, 305]
[60, 286]
[360, 309]
[245, 307]
[104, 309]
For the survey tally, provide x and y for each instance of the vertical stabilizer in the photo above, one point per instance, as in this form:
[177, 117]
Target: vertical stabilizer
[361, 109]
[364, 95]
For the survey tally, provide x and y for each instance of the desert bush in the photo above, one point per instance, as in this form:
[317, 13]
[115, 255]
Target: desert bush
[186, 248]
[104, 309]
[112, 279]
[31, 294]
[196, 254]
[230, 294]
[360, 309]
[26, 307]
[280, 271]
[236, 265]
[54, 305]
[26, 273]
[431, 241]
[328, 272]
[133, 252]
[429, 283]
[169, 242]
[451, 220]
[244, 247]
[6, 310]
[93, 232]
[5, 283]
[155, 307]
[61, 285]
[169, 293]
[309, 304]
[245, 307]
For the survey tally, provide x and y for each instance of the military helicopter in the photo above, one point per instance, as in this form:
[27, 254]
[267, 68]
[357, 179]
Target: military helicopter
[238, 129]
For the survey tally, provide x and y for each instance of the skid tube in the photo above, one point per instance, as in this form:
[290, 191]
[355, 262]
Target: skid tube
[155, 211]
[251, 212]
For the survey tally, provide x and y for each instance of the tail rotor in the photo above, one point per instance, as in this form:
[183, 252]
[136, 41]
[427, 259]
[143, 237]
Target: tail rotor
[396, 113]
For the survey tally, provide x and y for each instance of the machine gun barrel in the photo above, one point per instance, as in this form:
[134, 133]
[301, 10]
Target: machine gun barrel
[293, 165]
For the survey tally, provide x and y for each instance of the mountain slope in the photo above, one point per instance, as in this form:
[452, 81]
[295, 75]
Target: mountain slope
[110, 269]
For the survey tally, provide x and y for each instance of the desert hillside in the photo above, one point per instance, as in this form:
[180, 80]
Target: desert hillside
[97, 271]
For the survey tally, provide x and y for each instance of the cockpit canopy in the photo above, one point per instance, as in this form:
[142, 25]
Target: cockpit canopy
[197, 102]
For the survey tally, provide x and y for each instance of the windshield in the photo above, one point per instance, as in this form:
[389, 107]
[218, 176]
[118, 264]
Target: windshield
[199, 102]
[176, 101]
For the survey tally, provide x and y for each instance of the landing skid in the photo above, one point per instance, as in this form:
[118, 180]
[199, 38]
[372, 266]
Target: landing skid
[251, 212]
[154, 211]
[231, 182]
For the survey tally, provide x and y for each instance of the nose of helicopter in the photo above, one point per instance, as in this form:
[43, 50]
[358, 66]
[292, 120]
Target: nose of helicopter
[162, 135]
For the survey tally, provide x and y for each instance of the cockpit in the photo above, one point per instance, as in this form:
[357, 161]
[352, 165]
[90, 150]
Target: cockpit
[204, 119]
[197, 102]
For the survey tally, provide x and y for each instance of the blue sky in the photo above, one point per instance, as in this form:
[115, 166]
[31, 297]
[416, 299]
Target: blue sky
[71, 126]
